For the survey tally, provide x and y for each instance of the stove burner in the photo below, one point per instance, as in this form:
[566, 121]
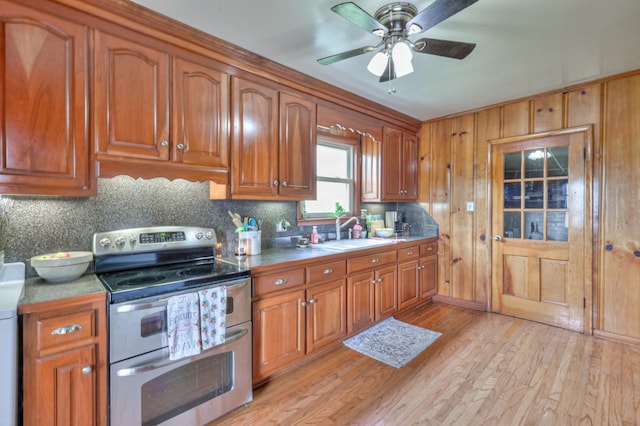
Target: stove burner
[149, 279]
[195, 271]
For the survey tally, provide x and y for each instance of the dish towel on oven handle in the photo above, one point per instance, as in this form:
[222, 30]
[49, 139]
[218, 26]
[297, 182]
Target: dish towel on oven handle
[213, 316]
[183, 325]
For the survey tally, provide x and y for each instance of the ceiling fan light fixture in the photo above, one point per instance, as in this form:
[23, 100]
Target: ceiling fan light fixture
[378, 63]
[401, 54]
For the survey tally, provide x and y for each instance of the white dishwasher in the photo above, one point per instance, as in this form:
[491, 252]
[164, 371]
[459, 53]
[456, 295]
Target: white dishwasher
[11, 285]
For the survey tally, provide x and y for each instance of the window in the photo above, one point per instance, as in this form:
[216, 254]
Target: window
[335, 180]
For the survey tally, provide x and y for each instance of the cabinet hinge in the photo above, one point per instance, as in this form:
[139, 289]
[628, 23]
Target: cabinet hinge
[584, 153]
[584, 302]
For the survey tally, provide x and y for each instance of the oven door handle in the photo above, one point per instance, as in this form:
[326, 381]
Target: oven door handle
[163, 302]
[132, 371]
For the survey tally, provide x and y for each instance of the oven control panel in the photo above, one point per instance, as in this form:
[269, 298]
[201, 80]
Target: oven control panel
[140, 240]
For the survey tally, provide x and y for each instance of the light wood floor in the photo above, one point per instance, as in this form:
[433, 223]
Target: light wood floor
[486, 369]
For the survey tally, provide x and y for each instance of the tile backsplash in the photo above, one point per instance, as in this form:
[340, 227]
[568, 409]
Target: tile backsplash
[39, 225]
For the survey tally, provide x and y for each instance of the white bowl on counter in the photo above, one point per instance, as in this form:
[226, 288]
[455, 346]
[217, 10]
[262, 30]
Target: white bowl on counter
[62, 267]
[384, 232]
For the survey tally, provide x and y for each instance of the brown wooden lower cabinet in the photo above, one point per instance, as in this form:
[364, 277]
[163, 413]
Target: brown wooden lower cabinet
[64, 364]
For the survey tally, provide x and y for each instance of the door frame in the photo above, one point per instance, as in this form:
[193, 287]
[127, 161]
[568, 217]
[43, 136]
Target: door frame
[589, 233]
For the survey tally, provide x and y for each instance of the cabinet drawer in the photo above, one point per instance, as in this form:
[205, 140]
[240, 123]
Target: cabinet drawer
[278, 281]
[65, 329]
[409, 253]
[326, 272]
[429, 249]
[371, 261]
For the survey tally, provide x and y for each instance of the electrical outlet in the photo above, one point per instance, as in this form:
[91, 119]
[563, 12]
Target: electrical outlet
[469, 206]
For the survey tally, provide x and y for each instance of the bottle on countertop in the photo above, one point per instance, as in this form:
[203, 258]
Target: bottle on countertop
[315, 237]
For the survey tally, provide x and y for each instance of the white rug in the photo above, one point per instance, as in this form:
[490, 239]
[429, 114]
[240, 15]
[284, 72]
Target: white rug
[393, 342]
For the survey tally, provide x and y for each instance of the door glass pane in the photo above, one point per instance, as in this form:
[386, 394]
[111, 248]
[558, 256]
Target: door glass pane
[534, 225]
[557, 193]
[512, 225]
[558, 161]
[557, 226]
[534, 163]
[512, 165]
[512, 195]
[533, 194]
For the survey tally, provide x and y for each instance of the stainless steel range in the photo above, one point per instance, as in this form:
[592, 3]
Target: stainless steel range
[141, 269]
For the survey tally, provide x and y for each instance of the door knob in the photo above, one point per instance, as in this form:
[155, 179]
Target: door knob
[498, 238]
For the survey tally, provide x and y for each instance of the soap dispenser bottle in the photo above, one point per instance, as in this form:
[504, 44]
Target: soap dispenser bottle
[315, 237]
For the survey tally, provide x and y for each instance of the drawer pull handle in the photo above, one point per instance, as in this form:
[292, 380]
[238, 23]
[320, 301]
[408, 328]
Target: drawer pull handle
[87, 369]
[429, 248]
[66, 329]
[375, 260]
[280, 281]
[409, 253]
[328, 271]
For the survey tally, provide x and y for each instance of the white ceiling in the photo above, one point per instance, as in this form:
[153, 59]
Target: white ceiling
[524, 47]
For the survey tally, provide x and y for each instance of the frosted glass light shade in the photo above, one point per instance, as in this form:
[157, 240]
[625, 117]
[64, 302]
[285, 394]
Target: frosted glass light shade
[378, 63]
[401, 54]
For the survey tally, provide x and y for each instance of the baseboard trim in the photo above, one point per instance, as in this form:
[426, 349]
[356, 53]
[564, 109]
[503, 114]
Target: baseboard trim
[460, 302]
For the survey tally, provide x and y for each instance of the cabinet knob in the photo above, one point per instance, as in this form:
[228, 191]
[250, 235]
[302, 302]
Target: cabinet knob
[312, 301]
[66, 329]
[180, 146]
[303, 303]
[280, 281]
[498, 238]
[276, 183]
[284, 183]
[87, 369]
[164, 143]
[373, 281]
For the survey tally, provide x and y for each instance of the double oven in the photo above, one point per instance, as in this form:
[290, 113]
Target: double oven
[141, 269]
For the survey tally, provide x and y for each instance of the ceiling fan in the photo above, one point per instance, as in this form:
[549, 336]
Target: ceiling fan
[394, 23]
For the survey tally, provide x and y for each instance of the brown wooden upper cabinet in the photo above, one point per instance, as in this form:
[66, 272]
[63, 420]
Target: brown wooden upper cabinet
[43, 87]
[399, 165]
[273, 142]
[137, 119]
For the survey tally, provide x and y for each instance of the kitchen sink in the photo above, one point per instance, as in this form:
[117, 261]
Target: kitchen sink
[346, 245]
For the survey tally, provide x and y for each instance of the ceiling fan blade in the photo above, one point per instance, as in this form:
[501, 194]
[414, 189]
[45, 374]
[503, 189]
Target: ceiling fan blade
[352, 12]
[446, 48]
[389, 73]
[437, 12]
[345, 55]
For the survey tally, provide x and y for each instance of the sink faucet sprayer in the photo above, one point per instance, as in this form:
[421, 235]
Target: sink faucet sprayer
[338, 226]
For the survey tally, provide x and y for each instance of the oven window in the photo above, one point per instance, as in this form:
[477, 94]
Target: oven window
[153, 324]
[186, 387]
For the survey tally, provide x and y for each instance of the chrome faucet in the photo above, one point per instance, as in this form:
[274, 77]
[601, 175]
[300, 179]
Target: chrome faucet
[338, 226]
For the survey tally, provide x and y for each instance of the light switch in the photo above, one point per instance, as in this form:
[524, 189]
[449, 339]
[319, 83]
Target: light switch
[469, 206]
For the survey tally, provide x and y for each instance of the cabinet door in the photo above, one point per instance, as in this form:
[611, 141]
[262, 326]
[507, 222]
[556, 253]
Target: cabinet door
[200, 114]
[392, 165]
[66, 394]
[43, 92]
[386, 293]
[131, 109]
[428, 277]
[360, 302]
[410, 167]
[297, 169]
[279, 328]
[326, 314]
[254, 171]
[371, 172]
[408, 284]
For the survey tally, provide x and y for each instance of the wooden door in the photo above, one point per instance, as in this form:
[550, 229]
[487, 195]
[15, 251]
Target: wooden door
[131, 102]
[371, 168]
[200, 114]
[278, 338]
[326, 314]
[386, 292]
[619, 275]
[360, 302]
[43, 91]
[66, 394]
[539, 201]
[408, 284]
[392, 166]
[254, 168]
[297, 156]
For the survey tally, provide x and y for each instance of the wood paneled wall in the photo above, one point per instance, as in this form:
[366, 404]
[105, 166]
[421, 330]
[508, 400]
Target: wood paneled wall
[454, 170]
